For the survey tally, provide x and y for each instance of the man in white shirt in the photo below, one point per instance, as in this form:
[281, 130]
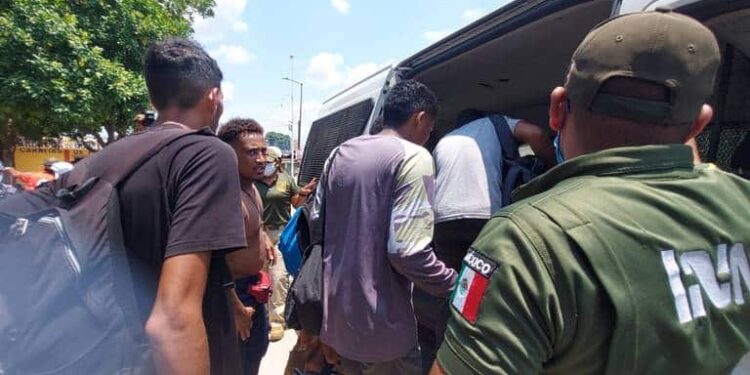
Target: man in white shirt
[468, 191]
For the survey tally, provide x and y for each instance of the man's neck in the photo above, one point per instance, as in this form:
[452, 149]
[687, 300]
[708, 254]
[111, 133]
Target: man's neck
[390, 132]
[270, 180]
[247, 184]
[184, 117]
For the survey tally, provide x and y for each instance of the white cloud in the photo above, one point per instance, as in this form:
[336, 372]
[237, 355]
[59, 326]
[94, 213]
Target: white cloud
[341, 5]
[227, 88]
[239, 26]
[358, 72]
[328, 70]
[472, 14]
[434, 36]
[227, 18]
[324, 69]
[232, 54]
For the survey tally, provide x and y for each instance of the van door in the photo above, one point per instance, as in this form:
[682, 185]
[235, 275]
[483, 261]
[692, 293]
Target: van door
[508, 61]
[730, 127]
[346, 115]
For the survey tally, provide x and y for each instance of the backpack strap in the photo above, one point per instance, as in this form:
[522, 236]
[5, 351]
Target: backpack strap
[512, 177]
[508, 144]
[509, 151]
[116, 162]
[125, 156]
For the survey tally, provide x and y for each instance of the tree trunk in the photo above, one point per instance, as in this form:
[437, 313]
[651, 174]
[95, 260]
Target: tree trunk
[8, 141]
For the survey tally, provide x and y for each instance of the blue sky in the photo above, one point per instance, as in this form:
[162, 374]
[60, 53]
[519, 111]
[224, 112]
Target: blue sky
[334, 43]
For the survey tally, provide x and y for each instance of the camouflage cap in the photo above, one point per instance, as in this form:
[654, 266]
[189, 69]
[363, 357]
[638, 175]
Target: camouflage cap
[661, 47]
[273, 153]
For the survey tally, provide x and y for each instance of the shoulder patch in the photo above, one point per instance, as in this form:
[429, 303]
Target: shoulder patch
[480, 263]
[472, 283]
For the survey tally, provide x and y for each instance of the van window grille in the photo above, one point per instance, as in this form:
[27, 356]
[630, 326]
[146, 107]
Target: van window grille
[330, 131]
[720, 142]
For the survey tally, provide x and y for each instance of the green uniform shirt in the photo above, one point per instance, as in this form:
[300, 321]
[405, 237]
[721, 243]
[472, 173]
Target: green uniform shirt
[628, 260]
[277, 199]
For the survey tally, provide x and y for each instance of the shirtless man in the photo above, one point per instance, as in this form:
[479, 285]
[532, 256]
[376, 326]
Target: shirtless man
[246, 138]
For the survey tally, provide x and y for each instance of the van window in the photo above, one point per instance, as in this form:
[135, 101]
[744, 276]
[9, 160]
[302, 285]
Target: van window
[330, 131]
[721, 140]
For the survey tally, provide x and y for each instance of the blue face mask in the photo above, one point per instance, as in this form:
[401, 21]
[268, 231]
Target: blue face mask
[558, 150]
[269, 170]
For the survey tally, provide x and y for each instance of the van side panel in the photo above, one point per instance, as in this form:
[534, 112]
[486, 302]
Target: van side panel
[330, 131]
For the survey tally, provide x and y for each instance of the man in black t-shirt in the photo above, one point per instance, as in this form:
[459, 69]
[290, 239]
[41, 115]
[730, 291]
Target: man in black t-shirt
[180, 214]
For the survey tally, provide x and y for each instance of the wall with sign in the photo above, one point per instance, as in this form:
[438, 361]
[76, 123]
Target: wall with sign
[30, 159]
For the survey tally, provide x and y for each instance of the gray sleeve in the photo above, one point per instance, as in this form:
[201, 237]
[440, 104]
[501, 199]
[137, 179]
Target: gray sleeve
[411, 227]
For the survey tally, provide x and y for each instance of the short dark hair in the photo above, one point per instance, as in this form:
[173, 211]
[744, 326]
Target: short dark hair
[179, 72]
[406, 98]
[238, 127]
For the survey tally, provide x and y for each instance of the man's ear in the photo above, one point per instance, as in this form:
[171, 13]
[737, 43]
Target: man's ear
[557, 108]
[420, 117]
[214, 95]
[700, 123]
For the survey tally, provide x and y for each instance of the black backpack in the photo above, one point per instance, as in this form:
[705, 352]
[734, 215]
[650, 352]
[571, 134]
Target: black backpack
[516, 170]
[304, 301]
[67, 302]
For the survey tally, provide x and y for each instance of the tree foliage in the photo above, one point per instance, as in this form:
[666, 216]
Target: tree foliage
[74, 67]
[279, 140]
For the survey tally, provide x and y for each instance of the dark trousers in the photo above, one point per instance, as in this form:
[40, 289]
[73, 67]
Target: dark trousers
[256, 346]
[451, 241]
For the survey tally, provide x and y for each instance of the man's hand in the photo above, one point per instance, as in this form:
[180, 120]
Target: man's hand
[301, 196]
[243, 315]
[269, 248]
[243, 320]
[307, 189]
[175, 326]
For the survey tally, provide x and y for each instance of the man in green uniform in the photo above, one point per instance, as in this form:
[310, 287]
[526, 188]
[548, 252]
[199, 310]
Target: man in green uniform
[280, 193]
[626, 258]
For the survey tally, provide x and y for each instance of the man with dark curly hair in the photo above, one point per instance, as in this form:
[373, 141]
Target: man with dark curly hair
[245, 136]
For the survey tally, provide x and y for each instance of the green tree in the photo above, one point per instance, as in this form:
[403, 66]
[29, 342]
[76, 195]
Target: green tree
[74, 67]
[279, 140]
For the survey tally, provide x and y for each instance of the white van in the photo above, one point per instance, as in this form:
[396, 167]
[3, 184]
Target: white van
[509, 60]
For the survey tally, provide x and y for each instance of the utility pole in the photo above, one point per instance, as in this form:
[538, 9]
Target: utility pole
[299, 120]
[291, 121]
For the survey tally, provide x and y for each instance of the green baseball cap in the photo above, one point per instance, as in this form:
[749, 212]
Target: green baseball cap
[661, 47]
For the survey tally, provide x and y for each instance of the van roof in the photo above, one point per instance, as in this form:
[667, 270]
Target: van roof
[493, 25]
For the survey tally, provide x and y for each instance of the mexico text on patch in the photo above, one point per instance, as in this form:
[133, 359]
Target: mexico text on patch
[472, 283]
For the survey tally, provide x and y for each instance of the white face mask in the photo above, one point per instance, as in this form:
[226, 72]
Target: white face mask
[270, 169]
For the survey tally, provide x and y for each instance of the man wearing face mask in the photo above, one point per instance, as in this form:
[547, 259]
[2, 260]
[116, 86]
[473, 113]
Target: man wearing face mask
[280, 193]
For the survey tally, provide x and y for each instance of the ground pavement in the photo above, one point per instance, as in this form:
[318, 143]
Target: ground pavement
[275, 360]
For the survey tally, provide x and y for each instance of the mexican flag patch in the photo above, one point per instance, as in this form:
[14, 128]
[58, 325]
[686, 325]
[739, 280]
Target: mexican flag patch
[472, 283]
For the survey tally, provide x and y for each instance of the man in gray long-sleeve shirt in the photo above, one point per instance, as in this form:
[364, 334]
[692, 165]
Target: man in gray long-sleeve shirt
[378, 229]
